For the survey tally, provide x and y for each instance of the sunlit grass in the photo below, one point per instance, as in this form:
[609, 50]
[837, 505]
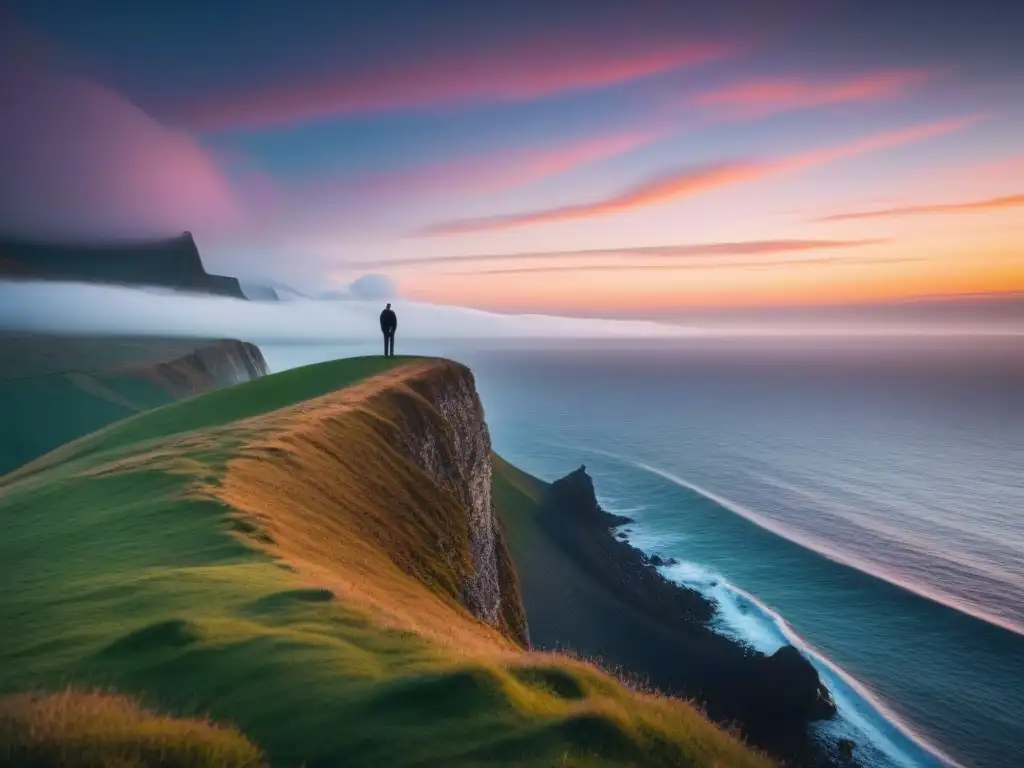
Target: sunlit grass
[267, 556]
[102, 730]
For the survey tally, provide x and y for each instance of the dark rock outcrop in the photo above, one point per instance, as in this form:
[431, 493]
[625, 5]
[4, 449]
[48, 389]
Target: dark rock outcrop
[258, 291]
[846, 749]
[658, 561]
[576, 492]
[772, 698]
[577, 521]
[789, 671]
[170, 263]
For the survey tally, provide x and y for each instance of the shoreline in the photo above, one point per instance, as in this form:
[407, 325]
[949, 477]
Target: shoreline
[804, 542]
[860, 689]
[868, 698]
[816, 548]
[591, 593]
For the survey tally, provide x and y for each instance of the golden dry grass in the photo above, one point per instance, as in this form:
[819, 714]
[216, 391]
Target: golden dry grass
[102, 730]
[325, 487]
[291, 571]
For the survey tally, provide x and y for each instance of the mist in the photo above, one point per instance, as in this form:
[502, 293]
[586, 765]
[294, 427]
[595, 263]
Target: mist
[352, 321]
[76, 308]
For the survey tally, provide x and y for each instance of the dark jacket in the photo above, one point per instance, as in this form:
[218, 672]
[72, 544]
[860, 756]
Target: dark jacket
[388, 321]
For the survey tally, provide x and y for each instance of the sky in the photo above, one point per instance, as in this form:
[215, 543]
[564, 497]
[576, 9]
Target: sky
[649, 159]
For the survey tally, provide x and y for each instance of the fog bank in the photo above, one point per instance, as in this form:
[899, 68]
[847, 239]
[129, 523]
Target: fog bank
[97, 309]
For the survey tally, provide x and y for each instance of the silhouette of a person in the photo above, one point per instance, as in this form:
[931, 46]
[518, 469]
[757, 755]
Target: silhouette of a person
[388, 326]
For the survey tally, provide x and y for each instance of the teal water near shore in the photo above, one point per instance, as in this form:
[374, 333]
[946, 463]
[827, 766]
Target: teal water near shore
[866, 504]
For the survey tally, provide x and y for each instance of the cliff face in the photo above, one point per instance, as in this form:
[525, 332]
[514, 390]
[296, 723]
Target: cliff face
[447, 437]
[209, 366]
[170, 263]
[391, 478]
[56, 389]
[458, 458]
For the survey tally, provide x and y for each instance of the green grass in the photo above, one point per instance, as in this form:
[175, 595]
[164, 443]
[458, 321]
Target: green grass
[242, 556]
[42, 413]
[56, 389]
[251, 398]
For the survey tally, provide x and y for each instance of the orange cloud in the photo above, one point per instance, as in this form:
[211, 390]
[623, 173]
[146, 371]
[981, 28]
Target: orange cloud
[970, 206]
[519, 72]
[679, 184]
[876, 143]
[681, 250]
[759, 264]
[758, 98]
[744, 283]
[695, 180]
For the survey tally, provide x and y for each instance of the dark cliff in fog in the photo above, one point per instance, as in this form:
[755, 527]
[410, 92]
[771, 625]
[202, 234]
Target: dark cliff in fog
[170, 263]
[56, 389]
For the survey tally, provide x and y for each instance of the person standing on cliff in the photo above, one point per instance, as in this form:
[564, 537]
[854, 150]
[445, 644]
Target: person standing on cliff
[388, 326]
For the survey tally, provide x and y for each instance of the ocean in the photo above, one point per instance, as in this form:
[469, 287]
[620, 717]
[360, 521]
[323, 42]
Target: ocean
[862, 500]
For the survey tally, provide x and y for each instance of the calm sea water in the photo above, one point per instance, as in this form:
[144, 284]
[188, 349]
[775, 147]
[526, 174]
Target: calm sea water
[864, 501]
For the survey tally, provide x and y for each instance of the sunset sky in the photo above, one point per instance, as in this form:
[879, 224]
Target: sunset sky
[599, 159]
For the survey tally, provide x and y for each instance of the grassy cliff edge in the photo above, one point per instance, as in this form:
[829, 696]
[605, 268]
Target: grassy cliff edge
[283, 557]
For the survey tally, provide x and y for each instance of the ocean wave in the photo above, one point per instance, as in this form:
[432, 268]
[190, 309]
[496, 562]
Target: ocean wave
[742, 615]
[626, 511]
[816, 546]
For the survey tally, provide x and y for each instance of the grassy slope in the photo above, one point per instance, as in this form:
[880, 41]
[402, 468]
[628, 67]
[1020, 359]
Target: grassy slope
[55, 389]
[276, 565]
[103, 730]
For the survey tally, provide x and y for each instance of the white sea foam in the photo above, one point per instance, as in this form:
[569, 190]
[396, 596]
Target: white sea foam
[814, 544]
[742, 615]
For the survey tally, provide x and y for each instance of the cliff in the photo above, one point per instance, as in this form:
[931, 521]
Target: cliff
[316, 558]
[258, 291]
[54, 389]
[587, 591]
[170, 263]
[455, 453]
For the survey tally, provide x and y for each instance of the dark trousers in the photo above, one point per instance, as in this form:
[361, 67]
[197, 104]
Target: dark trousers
[389, 343]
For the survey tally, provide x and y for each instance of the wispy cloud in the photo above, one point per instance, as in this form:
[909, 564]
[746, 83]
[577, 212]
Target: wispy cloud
[515, 72]
[504, 169]
[695, 180]
[969, 206]
[766, 96]
[685, 183]
[750, 264]
[672, 251]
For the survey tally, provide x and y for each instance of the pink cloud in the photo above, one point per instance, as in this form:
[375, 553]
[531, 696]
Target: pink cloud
[702, 252]
[517, 72]
[503, 169]
[696, 180]
[967, 206]
[706, 265]
[766, 96]
[684, 183]
[875, 143]
[80, 160]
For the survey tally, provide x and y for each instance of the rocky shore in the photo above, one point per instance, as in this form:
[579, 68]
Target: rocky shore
[771, 699]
